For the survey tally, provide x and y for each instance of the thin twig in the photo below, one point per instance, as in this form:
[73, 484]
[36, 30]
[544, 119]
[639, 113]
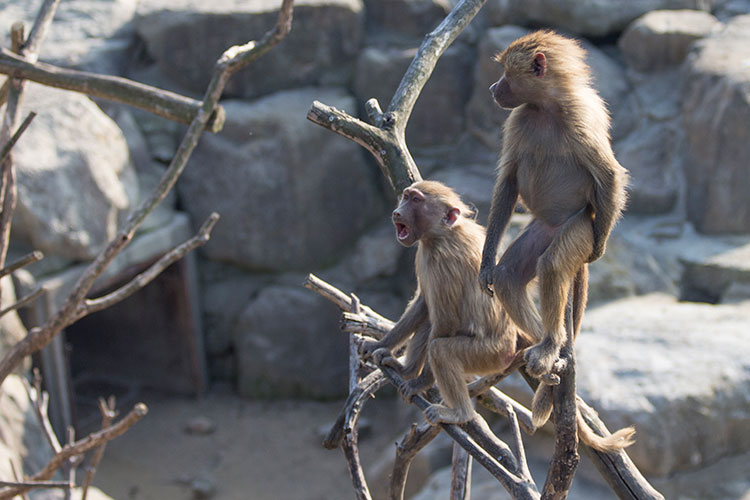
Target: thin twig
[5, 151]
[352, 407]
[24, 301]
[109, 413]
[460, 474]
[232, 60]
[36, 484]
[164, 103]
[24, 261]
[90, 306]
[40, 402]
[80, 447]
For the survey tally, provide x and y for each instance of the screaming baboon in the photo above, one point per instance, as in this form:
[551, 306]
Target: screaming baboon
[458, 329]
[557, 156]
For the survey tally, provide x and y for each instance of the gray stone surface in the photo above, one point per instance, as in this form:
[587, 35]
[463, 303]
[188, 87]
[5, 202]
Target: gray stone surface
[12, 329]
[186, 39]
[289, 344]
[674, 370]
[75, 179]
[414, 18]
[652, 156]
[716, 107]
[438, 116]
[90, 35]
[585, 17]
[661, 38]
[721, 277]
[291, 194]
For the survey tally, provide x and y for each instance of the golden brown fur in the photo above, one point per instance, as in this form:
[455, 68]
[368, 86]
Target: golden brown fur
[458, 329]
[557, 157]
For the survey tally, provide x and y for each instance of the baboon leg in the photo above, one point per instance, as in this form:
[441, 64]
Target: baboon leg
[450, 359]
[517, 267]
[557, 267]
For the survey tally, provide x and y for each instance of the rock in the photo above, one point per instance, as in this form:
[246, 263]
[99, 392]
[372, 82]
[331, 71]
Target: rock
[727, 9]
[200, 425]
[652, 156]
[716, 107]
[187, 40]
[376, 254]
[674, 370]
[75, 180]
[474, 185]
[438, 116]
[288, 344]
[626, 269]
[409, 17]
[203, 488]
[292, 195]
[86, 34]
[485, 119]
[588, 17]
[721, 277]
[726, 479]
[661, 38]
[22, 439]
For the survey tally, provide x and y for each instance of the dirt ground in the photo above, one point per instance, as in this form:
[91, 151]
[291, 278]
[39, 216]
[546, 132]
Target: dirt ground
[259, 450]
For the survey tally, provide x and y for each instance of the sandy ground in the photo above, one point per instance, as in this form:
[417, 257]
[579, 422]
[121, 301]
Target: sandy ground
[260, 450]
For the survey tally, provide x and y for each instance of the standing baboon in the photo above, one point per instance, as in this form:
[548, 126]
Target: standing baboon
[557, 156]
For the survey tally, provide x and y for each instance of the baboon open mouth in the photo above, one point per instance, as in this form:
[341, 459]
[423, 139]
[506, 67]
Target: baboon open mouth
[402, 231]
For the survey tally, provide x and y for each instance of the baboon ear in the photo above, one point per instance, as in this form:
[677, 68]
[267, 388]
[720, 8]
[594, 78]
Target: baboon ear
[539, 66]
[452, 216]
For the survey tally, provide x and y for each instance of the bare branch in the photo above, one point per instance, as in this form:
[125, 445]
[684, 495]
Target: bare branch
[92, 305]
[460, 474]
[412, 443]
[164, 103]
[24, 261]
[352, 408]
[5, 151]
[109, 413]
[232, 60]
[24, 301]
[40, 402]
[496, 401]
[79, 447]
[36, 484]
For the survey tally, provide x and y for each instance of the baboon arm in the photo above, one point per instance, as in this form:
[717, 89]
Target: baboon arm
[504, 200]
[412, 318]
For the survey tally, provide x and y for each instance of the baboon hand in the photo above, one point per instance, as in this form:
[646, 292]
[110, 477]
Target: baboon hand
[367, 348]
[409, 388]
[485, 279]
[383, 356]
[540, 359]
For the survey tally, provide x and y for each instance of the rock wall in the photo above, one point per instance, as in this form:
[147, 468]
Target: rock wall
[295, 198]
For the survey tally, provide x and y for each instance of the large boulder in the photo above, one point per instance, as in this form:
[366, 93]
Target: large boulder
[288, 344]
[716, 109]
[414, 18]
[291, 194]
[585, 17]
[438, 116]
[679, 372]
[187, 39]
[651, 155]
[76, 182]
[662, 38]
[86, 34]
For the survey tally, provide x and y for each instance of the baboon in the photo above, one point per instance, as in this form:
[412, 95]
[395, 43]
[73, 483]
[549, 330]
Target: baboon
[458, 329]
[557, 156]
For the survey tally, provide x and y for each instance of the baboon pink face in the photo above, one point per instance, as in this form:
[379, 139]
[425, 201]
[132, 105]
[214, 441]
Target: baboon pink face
[422, 214]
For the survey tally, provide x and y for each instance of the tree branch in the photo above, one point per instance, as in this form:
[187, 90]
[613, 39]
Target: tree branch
[109, 413]
[412, 443]
[24, 261]
[232, 60]
[79, 447]
[164, 103]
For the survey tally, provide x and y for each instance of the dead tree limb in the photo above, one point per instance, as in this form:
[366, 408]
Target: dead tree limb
[233, 59]
[164, 103]
[78, 448]
[24, 261]
[412, 443]
[460, 474]
[109, 413]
